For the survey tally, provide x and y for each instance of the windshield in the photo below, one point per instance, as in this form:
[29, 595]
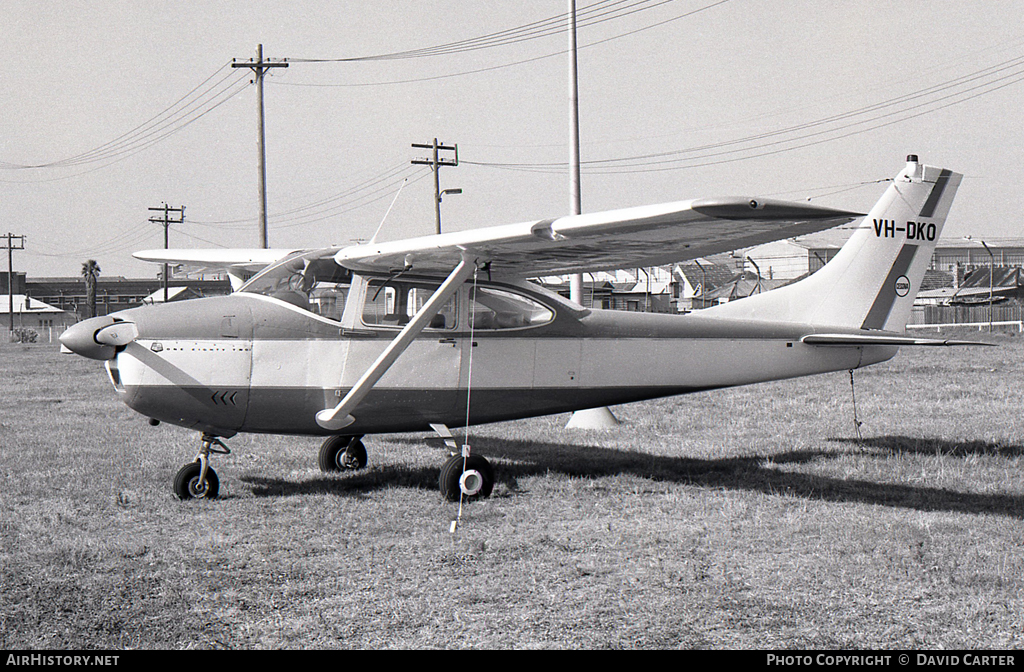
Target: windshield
[309, 280]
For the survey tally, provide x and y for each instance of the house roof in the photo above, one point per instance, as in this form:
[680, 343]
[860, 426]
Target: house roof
[744, 285]
[714, 275]
[23, 304]
[158, 295]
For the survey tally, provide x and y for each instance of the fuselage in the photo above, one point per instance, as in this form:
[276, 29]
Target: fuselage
[268, 362]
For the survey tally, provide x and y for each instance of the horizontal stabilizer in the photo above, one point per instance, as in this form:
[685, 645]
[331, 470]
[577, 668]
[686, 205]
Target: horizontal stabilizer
[880, 339]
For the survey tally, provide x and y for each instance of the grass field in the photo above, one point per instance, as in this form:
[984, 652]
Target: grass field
[746, 518]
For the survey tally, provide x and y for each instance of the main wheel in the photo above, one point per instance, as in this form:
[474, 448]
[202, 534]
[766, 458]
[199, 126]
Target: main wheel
[188, 486]
[341, 453]
[470, 478]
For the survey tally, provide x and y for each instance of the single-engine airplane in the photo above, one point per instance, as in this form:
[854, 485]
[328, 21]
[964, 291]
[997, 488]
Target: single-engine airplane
[445, 331]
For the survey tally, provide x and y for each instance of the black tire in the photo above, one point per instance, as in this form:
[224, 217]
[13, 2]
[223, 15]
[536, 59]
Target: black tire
[451, 474]
[187, 486]
[342, 453]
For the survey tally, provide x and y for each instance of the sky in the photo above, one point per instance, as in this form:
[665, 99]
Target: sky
[114, 107]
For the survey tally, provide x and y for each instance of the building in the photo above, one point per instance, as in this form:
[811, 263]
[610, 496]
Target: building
[29, 313]
[797, 257]
[117, 293]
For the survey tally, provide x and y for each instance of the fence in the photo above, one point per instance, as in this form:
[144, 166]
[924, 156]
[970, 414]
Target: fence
[966, 315]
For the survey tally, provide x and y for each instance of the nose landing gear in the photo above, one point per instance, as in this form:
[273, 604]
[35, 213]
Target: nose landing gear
[197, 480]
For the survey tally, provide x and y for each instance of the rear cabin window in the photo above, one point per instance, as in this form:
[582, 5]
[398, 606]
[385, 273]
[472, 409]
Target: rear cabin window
[394, 303]
[498, 309]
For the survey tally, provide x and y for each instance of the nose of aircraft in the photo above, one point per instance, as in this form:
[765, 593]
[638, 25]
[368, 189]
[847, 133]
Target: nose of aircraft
[99, 337]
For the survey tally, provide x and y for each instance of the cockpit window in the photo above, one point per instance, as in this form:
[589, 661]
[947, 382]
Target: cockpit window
[395, 302]
[312, 281]
[497, 309]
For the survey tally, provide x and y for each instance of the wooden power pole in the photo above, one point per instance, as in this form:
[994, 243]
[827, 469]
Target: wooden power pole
[435, 164]
[167, 221]
[259, 68]
[11, 246]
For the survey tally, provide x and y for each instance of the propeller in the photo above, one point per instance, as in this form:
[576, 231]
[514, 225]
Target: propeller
[99, 337]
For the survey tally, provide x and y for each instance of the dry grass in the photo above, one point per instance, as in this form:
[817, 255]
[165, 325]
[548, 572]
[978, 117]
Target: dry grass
[748, 518]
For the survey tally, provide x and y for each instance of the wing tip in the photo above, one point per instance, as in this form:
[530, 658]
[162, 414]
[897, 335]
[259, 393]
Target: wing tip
[744, 207]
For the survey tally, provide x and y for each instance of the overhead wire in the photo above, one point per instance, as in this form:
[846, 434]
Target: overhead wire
[596, 13]
[561, 18]
[194, 105]
[358, 196]
[826, 129]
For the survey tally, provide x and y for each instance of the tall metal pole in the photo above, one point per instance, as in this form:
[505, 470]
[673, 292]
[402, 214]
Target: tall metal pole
[259, 68]
[575, 200]
[594, 418]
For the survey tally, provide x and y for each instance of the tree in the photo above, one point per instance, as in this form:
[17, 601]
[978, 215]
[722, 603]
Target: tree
[90, 271]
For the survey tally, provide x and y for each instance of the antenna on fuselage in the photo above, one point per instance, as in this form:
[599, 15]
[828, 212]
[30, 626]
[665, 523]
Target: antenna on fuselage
[381, 225]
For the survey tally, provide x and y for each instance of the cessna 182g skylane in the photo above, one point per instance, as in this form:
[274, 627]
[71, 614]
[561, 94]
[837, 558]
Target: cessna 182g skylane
[441, 331]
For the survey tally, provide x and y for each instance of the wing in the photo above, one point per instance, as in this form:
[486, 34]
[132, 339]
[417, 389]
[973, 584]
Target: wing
[643, 236]
[238, 263]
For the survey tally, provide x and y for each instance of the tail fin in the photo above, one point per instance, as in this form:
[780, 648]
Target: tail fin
[871, 283]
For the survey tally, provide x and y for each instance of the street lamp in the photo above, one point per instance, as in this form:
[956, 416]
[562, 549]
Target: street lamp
[439, 197]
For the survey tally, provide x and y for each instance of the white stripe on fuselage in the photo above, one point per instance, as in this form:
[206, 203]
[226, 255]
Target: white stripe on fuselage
[498, 363]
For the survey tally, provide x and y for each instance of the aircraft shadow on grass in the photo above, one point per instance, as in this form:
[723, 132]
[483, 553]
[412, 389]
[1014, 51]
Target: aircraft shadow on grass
[520, 459]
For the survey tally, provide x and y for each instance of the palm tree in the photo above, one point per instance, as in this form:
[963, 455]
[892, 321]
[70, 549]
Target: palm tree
[90, 271]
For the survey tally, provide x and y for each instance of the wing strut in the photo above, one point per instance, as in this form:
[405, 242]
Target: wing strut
[341, 415]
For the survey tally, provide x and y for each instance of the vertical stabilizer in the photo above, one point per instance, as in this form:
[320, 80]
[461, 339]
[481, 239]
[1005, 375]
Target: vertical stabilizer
[871, 283]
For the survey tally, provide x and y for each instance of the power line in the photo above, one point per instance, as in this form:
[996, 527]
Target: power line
[191, 107]
[598, 12]
[861, 120]
[561, 52]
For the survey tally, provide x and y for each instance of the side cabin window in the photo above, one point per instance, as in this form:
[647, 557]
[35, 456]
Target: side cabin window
[492, 308]
[392, 303]
[308, 281]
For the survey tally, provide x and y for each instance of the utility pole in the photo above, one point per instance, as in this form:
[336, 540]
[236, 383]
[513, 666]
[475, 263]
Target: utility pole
[593, 418]
[167, 221]
[435, 164]
[259, 68]
[10, 247]
[575, 201]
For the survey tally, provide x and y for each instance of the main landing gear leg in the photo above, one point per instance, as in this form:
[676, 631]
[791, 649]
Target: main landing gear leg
[197, 480]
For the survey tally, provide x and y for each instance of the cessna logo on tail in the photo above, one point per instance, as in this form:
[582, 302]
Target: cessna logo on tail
[886, 228]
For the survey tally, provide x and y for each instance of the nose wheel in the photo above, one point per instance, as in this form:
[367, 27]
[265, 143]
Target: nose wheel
[197, 480]
[191, 484]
